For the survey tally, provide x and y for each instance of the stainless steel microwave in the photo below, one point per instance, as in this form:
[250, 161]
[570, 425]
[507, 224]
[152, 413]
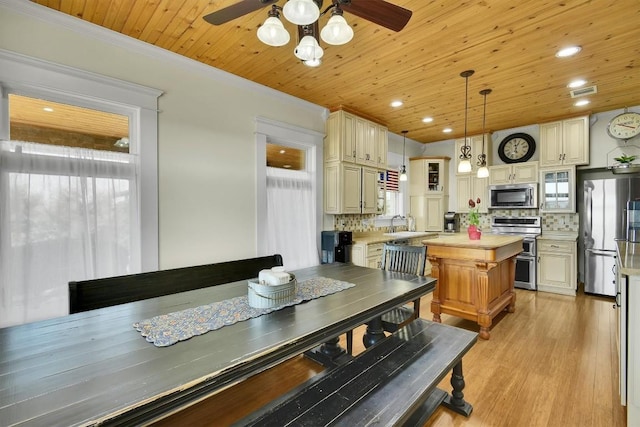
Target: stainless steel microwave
[513, 196]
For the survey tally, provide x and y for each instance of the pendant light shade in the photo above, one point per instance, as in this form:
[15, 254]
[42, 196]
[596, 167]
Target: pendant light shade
[272, 32]
[483, 171]
[337, 31]
[465, 157]
[301, 12]
[403, 171]
[308, 49]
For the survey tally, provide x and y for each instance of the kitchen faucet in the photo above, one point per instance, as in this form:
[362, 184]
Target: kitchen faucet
[392, 228]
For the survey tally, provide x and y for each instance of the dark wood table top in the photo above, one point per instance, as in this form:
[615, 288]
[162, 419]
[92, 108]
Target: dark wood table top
[95, 368]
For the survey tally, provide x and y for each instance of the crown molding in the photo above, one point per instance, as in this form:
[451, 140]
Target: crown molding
[77, 25]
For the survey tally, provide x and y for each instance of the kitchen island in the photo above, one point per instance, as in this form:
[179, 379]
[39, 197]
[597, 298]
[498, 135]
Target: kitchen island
[475, 278]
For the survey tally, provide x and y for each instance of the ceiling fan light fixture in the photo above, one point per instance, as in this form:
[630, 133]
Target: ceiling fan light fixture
[301, 12]
[312, 62]
[273, 33]
[337, 31]
[308, 49]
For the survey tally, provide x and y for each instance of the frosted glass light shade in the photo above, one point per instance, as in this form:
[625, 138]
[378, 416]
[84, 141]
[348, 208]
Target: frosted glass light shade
[273, 33]
[337, 31]
[308, 48]
[312, 62]
[464, 166]
[301, 12]
[483, 172]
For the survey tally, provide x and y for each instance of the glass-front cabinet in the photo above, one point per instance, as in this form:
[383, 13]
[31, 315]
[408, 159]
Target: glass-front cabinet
[428, 175]
[557, 192]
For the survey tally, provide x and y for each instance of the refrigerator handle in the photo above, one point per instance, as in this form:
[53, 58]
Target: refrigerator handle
[588, 211]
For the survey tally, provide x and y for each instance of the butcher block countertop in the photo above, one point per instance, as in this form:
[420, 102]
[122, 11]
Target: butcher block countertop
[461, 240]
[629, 256]
[375, 237]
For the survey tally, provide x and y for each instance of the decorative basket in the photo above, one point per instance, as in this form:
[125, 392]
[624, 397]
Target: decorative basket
[270, 296]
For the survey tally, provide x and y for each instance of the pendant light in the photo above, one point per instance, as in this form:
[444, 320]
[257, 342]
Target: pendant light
[465, 158]
[403, 171]
[483, 172]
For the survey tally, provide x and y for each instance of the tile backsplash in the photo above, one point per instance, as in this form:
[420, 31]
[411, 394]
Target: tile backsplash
[550, 222]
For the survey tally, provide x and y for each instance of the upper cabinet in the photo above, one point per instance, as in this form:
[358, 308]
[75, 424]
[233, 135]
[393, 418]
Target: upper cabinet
[558, 189]
[350, 189]
[517, 173]
[565, 142]
[476, 144]
[356, 140]
[428, 175]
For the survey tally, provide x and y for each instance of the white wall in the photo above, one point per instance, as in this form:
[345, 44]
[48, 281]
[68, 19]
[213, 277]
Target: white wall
[207, 146]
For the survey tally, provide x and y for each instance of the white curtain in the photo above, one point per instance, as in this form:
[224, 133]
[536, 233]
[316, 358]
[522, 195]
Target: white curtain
[291, 223]
[65, 214]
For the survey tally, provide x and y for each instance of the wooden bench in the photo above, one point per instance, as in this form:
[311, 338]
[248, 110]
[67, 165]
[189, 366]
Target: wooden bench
[392, 383]
[98, 293]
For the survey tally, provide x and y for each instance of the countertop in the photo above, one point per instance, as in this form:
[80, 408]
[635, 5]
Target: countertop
[559, 235]
[461, 240]
[629, 255]
[370, 238]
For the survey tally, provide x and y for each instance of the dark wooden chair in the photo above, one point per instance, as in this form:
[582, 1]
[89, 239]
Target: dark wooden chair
[403, 259]
[98, 293]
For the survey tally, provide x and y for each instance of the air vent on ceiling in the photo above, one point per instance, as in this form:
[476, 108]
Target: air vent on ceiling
[584, 91]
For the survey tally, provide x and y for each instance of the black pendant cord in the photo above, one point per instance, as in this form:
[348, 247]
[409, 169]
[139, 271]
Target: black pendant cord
[466, 149]
[482, 158]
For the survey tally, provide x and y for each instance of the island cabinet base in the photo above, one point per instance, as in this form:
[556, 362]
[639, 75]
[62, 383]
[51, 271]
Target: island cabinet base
[473, 283]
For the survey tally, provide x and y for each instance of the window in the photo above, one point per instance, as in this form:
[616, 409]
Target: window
[72, 201]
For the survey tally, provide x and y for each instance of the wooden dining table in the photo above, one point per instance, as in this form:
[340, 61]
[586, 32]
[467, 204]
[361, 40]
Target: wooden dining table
[95, 368]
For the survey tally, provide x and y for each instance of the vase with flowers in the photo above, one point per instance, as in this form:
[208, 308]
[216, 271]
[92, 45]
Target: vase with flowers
[474, 220]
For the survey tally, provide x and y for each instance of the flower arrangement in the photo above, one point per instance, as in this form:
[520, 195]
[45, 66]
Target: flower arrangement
[474, 214]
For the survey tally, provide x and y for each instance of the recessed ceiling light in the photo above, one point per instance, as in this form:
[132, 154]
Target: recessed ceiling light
[447, 130]
[286, 166]
[577, 83]
[581, 103]
[427, 120]
[48, 109]
[396, 103]
[568, 51]
[282, 151]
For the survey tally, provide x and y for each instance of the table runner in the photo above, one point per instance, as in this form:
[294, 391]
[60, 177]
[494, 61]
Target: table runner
[167, 329]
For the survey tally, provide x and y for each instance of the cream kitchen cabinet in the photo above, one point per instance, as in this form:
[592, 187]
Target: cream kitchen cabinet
[558, 189]
[350, 189]
[355, 140]
[428, 211]
[367, 255]
[565, 142]
[469, 186]
[517, 173]
[428, 175]
[557, 265]
[475, 142]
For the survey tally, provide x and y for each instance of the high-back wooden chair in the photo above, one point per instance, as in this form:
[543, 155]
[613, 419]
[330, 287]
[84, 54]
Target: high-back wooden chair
[403, 259]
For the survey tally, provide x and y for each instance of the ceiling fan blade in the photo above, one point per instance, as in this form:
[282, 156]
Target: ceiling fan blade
[236, 10]
[379, 12]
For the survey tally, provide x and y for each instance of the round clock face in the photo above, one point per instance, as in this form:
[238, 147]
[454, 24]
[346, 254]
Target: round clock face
[516, 148]
[624, 126]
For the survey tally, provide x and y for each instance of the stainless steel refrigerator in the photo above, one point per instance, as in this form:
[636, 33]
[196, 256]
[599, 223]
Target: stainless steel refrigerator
[605, 220]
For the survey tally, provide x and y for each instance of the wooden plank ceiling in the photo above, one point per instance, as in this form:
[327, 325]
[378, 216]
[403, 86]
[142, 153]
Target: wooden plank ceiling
[510, 45]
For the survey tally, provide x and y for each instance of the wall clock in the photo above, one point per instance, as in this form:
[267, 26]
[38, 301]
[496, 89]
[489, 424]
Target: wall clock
[624, 126]
[516, 148]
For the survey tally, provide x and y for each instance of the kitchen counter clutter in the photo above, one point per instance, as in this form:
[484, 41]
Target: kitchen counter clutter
[475, 278]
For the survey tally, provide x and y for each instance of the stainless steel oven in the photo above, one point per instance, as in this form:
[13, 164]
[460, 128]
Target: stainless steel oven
[513, 196]
[529, 228]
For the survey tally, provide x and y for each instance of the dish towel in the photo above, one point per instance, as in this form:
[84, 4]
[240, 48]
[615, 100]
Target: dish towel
[168, 329]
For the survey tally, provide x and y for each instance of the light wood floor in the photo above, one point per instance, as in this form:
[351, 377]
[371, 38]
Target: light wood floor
[551, 363]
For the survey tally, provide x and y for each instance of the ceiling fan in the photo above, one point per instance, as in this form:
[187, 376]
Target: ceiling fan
[305, 14]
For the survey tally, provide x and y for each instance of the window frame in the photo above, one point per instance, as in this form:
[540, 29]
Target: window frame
[22, 75]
